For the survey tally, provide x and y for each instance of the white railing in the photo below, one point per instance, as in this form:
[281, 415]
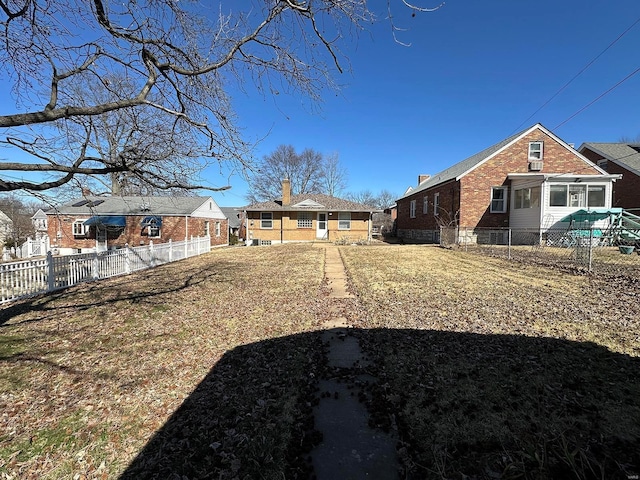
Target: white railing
[30, 277]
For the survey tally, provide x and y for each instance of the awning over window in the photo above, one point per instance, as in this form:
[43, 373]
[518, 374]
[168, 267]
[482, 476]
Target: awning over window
[105, 220]
[152, 221]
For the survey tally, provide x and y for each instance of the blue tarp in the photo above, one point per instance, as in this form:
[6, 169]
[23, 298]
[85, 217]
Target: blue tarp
[107, 220]
[592, 215]
[152, 221]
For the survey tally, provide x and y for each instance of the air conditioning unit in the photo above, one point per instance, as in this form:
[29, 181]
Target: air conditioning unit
[535, 166]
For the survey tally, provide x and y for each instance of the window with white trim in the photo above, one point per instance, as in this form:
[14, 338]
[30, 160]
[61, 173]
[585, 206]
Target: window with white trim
[217, 229]
[79, 228]
[436, 204]
[266, 220]
[425, 205]
[535, 150]
[344, 220]
[577, 195]
[305, 220]
[207, 229]
[412, 209]
[498, 200]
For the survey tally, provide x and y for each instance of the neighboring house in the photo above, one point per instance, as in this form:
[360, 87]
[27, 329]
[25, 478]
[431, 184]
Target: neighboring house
[6, 228]
[95, 223]
[620, 158]
[234, 215]
[532, 179]
[307, 217]
[40, 223]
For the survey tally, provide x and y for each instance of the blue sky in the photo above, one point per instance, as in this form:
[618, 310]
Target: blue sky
[474, 73]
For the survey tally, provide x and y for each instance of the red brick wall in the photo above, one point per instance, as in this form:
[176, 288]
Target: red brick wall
[626, 191]
[173, 228]
[449, 206]
[474, 189]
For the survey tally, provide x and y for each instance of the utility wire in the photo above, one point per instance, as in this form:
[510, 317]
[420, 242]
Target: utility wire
[576, 76]
[599, 97]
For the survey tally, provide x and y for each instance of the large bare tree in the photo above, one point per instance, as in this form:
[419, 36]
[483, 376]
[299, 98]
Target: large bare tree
[182, 57]
[305, 170]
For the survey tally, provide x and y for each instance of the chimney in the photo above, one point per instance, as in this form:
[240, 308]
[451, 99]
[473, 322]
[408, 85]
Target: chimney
[423, 178]
[286, 192]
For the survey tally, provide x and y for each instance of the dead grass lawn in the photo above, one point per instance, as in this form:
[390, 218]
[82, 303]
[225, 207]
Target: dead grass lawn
[207, 368]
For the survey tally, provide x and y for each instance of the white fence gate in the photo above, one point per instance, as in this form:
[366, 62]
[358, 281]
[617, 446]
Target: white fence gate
[30, 277]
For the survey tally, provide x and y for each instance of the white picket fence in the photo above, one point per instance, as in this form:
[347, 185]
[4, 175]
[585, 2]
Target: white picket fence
[30, 277]
[37, 247]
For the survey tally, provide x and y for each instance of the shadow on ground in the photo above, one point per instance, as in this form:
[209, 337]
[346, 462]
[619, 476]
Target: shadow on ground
[464, 406]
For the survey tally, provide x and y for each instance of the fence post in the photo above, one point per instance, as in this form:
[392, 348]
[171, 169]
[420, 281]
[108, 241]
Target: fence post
[151, 254]
[51, 280]
[127, 259]
[170, 251]
[509, 247]
[590, 247]
[94, 263]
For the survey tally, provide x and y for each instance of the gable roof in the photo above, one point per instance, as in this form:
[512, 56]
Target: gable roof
[626, 155]
[311, 202]
[132, 205]
[460, 169]
[233, 215]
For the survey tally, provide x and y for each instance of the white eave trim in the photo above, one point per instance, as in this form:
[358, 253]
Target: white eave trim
[565, 176]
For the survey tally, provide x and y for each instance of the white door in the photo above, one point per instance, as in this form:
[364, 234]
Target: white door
[321, 228]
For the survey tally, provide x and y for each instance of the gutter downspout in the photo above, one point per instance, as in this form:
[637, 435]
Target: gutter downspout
[281, 226]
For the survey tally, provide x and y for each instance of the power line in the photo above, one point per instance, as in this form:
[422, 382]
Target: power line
[576, 76]
[599, 97]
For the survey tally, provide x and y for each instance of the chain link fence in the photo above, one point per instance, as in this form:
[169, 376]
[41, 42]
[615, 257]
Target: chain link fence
[584, 250]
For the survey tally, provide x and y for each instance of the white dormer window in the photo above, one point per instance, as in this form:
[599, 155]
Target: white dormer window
[535, 151]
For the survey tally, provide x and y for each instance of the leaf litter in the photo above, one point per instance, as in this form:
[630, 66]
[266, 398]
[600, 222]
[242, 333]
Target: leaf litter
[207, 368]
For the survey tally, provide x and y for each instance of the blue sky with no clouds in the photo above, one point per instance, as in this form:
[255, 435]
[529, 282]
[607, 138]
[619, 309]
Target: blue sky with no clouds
[474, 74]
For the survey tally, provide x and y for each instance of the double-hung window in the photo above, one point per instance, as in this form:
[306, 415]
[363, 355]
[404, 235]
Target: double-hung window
[412, 209]
[266, 220]
[535, 151]
[425, 205]
[498, 200]
[79, 229]
[218, 230]
[305, 220]
[344, 220]
[436, 204]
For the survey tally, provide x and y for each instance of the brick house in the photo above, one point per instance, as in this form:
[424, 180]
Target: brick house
[618, 158]
[305, 218]
[532, 180]
[97, 223]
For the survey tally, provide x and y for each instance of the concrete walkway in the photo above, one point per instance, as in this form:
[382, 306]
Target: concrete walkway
[350, 449]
